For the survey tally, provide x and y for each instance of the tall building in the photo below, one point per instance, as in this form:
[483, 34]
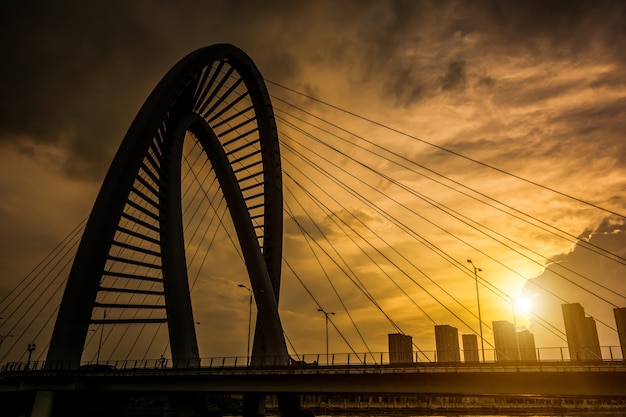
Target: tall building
[581, 332]
[400, 348]
[526, 345]
[620, 323]
[593, 343]
[505, 340]
[447, 341]
[470, 348]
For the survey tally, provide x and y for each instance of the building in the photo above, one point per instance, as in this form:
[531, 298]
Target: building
[620, 323]
[505, 339]
[470, 348]
[447, 341]
[526, 346]
[593, 345]
[400, 348]
[581, 332]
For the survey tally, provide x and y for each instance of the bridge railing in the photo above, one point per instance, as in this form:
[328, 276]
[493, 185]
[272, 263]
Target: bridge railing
[429, 358]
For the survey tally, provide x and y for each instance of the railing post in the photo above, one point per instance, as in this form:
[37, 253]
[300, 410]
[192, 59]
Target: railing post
[333, 359]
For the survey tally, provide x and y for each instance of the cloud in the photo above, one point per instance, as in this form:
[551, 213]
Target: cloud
[590, 274]
[533, 87]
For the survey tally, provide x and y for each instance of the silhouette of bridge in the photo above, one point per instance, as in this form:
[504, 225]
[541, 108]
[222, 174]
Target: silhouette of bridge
[204, 149]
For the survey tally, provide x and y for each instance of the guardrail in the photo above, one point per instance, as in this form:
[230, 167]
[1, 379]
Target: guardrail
[427, 358]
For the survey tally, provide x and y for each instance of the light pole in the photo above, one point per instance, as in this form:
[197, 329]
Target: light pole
[515, 326]
[326, 314]
[31, 349]
[480, 320]
[249, 320]
[104, 317]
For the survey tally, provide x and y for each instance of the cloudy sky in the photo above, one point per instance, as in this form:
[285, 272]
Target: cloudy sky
[534, 88]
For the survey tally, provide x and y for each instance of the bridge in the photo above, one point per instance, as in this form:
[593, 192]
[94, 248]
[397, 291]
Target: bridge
[201, 165]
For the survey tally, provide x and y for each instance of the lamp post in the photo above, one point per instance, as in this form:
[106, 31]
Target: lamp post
[515, 326]
[480, 320]
[326, 314]
[249, 320]
[31, 349]
[104, 317]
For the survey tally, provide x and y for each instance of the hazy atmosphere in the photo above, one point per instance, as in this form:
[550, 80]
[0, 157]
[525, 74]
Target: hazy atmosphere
[536, 89]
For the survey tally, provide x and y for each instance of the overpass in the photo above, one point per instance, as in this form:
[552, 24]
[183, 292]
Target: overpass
[591, 379]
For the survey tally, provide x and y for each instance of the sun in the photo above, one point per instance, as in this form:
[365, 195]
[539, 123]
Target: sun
[524, 304]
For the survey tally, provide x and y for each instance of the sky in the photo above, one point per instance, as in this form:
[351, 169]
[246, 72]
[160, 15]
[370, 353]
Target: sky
[534, 88]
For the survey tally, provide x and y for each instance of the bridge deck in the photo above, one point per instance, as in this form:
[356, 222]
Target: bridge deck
[584, 379]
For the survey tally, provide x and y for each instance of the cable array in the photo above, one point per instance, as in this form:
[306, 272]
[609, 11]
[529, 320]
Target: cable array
[369, 228]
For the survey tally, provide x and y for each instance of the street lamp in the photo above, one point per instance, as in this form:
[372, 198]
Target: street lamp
[31, 349]
[104, 317]
[249, 320]
[480, 320]
[515, 326]
[326, 314]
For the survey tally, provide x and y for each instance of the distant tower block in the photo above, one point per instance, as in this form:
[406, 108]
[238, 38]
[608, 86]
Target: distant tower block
[470, 348]
[593, 345]
[400, 348]
[505, 339]
[526, 344]
[582, 335]
[620, 323]
[447, 341]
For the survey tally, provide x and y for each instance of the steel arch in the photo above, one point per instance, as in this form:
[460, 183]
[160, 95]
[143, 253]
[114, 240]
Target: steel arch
[218, 95]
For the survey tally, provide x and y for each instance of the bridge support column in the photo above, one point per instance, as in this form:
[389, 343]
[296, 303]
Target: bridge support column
[254, 405]
[42, 407]
[289, 405]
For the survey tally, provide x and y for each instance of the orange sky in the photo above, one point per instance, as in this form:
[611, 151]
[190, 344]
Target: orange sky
[533, 88]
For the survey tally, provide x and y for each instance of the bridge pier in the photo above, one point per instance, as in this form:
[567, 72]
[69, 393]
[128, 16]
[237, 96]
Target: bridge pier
[42, 407]
[254, 405]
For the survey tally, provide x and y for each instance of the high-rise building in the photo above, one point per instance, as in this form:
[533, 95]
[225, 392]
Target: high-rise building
[620, 323]
[505, 340]
[400, 348]
[526, 345]
[470, 348]
[447, 341]
[581, 332]
[593, 343]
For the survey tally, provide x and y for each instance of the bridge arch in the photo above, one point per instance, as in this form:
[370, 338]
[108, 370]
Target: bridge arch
[135, 234]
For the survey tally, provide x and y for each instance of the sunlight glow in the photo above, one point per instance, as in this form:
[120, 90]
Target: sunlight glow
[524, 304]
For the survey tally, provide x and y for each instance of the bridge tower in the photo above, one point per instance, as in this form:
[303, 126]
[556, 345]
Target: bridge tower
[215, 96]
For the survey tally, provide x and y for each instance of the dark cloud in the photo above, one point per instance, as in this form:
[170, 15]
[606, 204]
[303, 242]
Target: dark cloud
[554, 27]
[455, 77]
[77, 73]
